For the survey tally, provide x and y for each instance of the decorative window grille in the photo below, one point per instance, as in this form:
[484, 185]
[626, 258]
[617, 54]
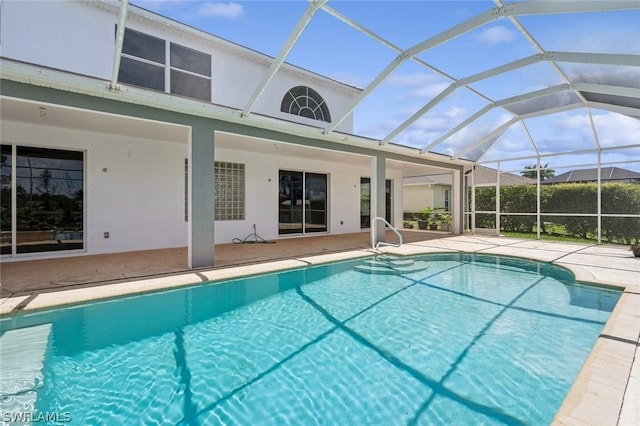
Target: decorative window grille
[305, 102]
[229, 184]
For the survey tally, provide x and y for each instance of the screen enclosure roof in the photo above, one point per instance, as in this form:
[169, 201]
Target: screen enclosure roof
[551, 81]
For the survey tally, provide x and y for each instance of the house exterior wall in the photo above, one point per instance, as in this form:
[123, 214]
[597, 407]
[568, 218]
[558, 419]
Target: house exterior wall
[134, 188]
[417, 197]
[262, 193]
[79, 37]
[139, 214]
[70, 36]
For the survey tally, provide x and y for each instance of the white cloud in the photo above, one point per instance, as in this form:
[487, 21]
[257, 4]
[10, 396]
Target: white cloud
[411, 79]
[571, 131]
[455, 112]
[494, 35]
[430, 91]
[616, 129]
[219, 9]
[186, 10]
[419, 85]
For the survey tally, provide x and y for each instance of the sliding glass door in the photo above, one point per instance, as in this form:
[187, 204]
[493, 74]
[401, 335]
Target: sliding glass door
[42, 199]
[6, 199]
[302, 202]
[365, 202]
[315, 202]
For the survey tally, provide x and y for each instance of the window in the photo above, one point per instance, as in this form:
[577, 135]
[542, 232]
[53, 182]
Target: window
[229, 186]
[6, 199]
[141, 74]
[144, 63]
[143, 60]
[305, 102]
[446, 200]
[48, 186]
[190, 72]
[365, 202]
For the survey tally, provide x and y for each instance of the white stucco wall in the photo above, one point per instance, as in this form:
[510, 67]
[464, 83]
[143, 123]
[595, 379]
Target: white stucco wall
[336, 100]
[80, 37]
[67, 35]
[417, 197]
[139, 199]
[134, 188]
[262, 193]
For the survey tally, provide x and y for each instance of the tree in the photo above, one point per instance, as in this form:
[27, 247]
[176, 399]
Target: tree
[545, 172]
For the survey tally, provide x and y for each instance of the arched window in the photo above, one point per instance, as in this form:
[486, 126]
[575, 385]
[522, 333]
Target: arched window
[305, 102]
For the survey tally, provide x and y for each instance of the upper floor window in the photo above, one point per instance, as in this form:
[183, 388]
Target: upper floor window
[305, 102]
[150, 62]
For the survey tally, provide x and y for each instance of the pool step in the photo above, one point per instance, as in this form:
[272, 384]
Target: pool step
[385, 265]
[23, 352]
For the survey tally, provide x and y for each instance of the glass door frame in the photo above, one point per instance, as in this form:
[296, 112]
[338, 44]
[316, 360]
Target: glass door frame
[49, 249]
[365, 219]
[297, 203]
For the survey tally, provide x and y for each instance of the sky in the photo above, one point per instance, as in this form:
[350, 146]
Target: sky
[332, 48]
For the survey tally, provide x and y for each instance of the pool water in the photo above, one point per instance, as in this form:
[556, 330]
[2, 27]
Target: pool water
[437, 339]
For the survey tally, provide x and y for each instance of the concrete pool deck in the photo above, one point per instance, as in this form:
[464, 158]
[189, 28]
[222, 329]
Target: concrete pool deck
[606, 392]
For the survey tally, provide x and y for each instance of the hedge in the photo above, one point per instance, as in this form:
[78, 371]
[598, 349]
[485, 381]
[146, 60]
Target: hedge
[617, 198]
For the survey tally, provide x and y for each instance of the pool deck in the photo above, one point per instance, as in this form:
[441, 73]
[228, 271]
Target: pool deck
[606, 392]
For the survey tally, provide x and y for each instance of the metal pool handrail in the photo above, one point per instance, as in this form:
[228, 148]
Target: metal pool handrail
[375, 245]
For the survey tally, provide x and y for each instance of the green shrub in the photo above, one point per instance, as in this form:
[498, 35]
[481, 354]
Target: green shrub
[616, 198]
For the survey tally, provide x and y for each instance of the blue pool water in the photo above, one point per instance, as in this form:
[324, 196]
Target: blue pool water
[437, 339]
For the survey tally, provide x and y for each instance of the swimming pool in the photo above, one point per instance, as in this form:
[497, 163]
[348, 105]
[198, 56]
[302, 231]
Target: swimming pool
[436, 339]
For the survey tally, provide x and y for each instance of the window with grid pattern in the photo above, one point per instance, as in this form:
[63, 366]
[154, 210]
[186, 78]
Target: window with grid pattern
[305, 102]
[145, 59]
[229, 184]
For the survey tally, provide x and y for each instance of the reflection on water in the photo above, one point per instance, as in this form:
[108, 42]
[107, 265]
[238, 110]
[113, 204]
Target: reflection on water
[463, 338]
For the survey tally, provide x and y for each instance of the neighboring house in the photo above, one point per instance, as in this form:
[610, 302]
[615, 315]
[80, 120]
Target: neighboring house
[485, 176]
[434, 191]
[196, 142]
[607, 175]
[431, 191]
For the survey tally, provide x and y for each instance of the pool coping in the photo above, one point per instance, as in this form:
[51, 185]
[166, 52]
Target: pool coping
[605, 391]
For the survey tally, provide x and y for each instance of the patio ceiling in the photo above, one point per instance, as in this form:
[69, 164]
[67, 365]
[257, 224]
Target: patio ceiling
[590, 81]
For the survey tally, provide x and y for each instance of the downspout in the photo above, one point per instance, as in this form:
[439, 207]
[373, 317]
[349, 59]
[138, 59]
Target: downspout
[113, 86]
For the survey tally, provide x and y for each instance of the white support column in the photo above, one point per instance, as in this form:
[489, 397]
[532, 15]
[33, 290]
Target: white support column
[538, 218]
[599, 197]
[284, 52]
[498, 200]
[599, 183]
[457, 202]
[378, 195]
[473, 201]
[119, 43]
